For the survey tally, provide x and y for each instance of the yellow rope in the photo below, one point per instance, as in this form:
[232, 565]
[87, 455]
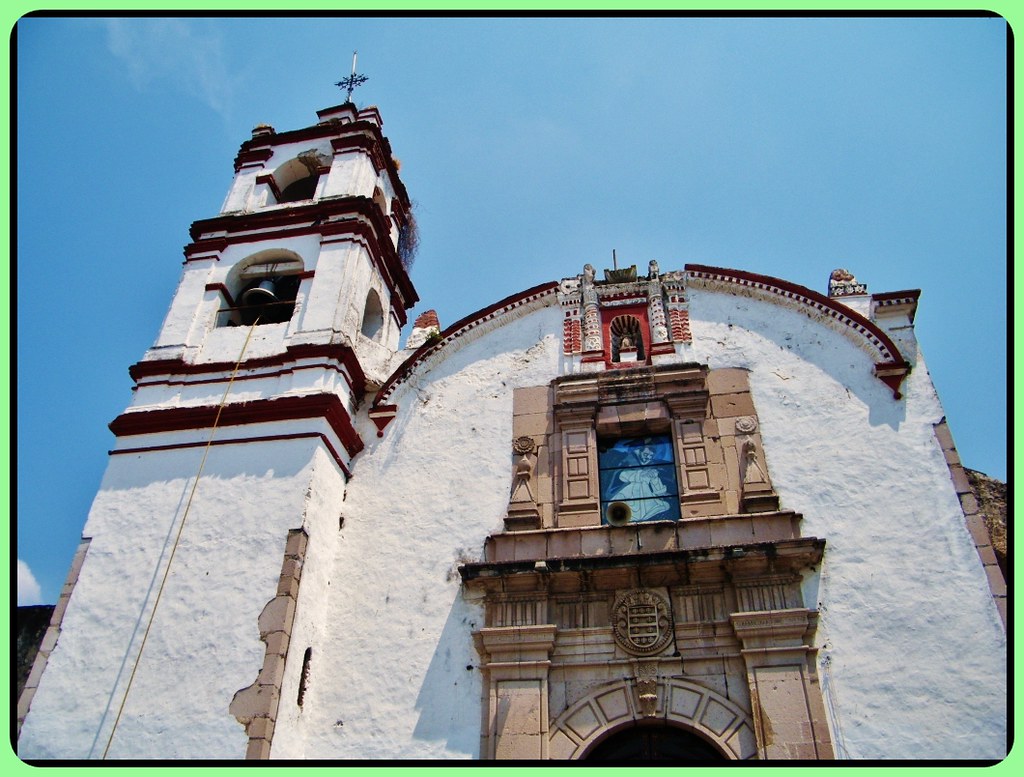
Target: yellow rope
[177, 538]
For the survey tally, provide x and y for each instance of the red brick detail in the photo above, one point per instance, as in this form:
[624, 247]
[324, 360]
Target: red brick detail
[252, 156]
[426, 319]
[572, 336]
[679, 321]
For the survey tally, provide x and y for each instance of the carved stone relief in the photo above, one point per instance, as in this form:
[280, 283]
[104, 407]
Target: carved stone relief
[640, 622]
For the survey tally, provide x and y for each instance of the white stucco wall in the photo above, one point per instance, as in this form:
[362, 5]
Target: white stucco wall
[902, 594]
[389, 675]
[204, 642]
[915, 645]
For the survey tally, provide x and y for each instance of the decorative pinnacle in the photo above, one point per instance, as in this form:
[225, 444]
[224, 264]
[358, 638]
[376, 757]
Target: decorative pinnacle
[351, 82]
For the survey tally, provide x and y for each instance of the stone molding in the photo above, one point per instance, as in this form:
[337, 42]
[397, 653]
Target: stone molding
[515, 662]
[616, 705]
[790, 723]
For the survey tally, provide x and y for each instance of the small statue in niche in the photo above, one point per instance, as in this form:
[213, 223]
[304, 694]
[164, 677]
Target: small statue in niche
[521, 491]
[752, 472]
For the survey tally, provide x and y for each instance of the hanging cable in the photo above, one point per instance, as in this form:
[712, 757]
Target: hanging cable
[177, 537]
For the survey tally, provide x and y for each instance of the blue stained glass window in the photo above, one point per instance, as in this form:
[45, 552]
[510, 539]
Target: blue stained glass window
[641, 472]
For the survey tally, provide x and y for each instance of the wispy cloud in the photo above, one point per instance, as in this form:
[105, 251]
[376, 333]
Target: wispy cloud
[173, 51]
[28, 589]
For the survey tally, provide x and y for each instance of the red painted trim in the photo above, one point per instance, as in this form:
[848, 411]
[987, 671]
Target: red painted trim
[222, 289]
[268, 178]
[259, 376]
[276, 218]
[253, 150]
[327, 218]
[240, 440]
[891, 360]
[456, 330]
[382, 416]
[253, 156]
[360, 143]
[176, 419]
[893, 298]
[200, 249]
[338, 353]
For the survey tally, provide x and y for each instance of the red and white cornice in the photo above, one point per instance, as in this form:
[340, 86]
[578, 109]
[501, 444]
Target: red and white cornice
[890, 365]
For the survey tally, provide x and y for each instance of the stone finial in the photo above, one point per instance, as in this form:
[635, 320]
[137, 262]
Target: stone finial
[841, 283]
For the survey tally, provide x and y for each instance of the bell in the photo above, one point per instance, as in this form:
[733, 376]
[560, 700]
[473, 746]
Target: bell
[262, 294]
[619, 513]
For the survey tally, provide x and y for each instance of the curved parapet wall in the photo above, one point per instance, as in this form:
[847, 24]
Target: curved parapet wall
[890, 365]
[459, 334]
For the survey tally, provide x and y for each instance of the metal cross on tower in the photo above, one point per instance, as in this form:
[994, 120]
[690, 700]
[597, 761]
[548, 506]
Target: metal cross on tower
[352, 81]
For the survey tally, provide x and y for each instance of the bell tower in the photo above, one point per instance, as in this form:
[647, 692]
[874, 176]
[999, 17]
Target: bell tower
[208, 545]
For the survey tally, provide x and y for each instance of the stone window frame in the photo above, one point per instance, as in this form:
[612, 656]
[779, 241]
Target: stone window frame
[650, 400]
[709, 413]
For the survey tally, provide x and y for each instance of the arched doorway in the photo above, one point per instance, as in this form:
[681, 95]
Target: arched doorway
[661, 742]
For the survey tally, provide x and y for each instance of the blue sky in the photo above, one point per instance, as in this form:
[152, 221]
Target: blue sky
[787, 147]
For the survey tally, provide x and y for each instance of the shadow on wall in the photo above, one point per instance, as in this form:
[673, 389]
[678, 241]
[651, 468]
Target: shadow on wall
[835, 352]
[449, 698]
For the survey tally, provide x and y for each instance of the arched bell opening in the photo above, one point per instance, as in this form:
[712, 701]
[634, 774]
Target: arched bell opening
[297, 178]
[269, 300]
[373, 316]
[302, 189]
[262, 290]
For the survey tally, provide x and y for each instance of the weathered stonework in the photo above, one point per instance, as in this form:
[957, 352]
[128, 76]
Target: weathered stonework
[982, 527]
[647, 608]
[256, 707]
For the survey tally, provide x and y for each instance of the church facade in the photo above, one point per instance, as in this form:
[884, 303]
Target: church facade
[687, 513]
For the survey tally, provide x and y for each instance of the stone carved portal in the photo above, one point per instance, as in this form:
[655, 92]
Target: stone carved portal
[724, 728]
[697, 623]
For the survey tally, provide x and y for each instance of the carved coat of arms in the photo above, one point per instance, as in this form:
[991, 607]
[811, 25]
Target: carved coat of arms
[641, 624]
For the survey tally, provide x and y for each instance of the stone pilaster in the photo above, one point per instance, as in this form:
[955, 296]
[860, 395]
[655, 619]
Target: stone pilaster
[515, 661]
[789, 712]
